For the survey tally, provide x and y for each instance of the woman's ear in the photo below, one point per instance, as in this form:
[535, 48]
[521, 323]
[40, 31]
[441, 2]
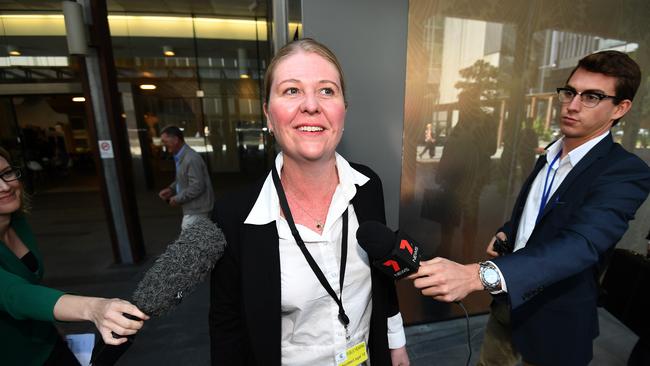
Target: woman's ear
[269, 124]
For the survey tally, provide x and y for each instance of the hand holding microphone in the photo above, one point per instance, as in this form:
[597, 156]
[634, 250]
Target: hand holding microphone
[399, 256]
[175, 274]
[395, 255]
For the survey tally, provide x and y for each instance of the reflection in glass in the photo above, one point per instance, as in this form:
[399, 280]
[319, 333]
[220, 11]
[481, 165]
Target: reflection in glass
[481, 83]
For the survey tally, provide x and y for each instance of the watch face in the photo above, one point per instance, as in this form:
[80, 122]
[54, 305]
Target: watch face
[491, 276]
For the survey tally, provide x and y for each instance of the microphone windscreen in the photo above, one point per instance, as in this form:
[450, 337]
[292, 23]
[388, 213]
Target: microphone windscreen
[376, 239]
[185, 263]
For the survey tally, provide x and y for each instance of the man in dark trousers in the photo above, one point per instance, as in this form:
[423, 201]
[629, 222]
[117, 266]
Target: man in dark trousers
[571, 211]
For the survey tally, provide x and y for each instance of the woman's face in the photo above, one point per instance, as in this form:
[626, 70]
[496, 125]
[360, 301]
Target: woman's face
[9, 191]
[306, 109]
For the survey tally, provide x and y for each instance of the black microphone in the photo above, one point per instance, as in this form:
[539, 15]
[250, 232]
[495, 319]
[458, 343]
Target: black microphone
[394, 254]
[175, 274]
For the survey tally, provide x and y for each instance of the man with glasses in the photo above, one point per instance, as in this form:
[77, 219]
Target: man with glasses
[571, 211]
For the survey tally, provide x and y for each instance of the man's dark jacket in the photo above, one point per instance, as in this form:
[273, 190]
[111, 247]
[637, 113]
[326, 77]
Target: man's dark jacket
[552, 283]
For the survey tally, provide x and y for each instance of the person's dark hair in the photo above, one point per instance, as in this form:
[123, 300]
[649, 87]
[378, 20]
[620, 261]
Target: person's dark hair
[173, 131]
[25, 199]
[305, 45]
[615, 64]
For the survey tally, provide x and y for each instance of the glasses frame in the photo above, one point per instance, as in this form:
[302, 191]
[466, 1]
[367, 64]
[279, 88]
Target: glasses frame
[15, 170]
[600, 96]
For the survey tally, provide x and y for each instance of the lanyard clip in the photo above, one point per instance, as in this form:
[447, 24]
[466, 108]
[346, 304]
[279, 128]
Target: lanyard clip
[344, 319]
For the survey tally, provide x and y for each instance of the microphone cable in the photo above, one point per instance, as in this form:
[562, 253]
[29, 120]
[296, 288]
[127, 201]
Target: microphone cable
[469, 338]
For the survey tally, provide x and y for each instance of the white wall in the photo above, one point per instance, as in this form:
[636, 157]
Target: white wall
[369, 38]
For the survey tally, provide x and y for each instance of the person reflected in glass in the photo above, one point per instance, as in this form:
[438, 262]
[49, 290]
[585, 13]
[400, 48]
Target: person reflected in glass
[28, 310]
[463, 172]
[268, 307]
[528, 148]
[429, 142]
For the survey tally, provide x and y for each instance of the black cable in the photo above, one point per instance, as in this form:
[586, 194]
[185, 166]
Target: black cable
[469, 338]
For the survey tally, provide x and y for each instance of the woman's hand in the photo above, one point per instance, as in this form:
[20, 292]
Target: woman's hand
[399, 357]
[106, 314]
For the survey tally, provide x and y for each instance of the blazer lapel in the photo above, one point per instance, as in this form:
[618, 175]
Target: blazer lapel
[261, 290]
[596, 153]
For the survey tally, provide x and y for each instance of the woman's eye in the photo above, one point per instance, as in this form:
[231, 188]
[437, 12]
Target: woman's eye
[327, 91]
[291, 91]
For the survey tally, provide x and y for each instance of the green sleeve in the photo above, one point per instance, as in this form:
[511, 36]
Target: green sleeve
[23, 300]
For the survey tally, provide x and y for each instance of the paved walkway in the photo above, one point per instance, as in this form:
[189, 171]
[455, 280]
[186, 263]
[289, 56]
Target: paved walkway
[74, 240]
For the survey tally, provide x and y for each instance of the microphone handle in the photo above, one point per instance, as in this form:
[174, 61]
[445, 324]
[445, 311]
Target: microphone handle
[107, 355]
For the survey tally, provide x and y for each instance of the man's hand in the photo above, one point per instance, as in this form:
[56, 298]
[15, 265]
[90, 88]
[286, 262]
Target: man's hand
[490, 248]
[445, 280]
[172, 202]
[165, 194]
[399, 357]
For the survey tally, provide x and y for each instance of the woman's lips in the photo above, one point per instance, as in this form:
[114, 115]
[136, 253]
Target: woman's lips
[7, 198]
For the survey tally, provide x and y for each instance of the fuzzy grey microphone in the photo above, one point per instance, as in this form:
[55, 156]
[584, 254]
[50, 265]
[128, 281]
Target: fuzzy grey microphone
[174, 275]
[185, 263]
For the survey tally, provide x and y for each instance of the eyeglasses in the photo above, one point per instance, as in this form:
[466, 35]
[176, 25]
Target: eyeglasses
[588, 99]
[11, 174]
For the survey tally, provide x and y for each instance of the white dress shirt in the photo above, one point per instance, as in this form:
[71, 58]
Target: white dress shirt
[311, 331]
[560, 169]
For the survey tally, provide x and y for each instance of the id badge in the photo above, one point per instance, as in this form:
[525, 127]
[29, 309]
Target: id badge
[353, 356]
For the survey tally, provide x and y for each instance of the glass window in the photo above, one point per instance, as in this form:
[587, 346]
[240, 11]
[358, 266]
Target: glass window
[203, 74]
[481, 106]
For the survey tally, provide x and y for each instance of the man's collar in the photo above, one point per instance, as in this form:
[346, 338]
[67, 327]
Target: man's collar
[180, 152]
[576, 154]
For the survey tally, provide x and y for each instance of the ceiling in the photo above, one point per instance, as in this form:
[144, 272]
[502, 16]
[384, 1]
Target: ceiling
[234, 8]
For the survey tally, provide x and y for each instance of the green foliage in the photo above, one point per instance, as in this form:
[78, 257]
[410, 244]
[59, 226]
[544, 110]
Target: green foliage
[479, 81]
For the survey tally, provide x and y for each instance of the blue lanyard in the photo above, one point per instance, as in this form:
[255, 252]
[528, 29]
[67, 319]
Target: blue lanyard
[546, 193]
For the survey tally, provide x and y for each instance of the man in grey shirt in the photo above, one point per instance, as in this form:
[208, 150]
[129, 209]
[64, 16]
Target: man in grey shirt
[192, 188]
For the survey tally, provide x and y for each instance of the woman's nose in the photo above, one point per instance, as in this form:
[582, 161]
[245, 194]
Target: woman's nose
[310, 103]
[4, 186]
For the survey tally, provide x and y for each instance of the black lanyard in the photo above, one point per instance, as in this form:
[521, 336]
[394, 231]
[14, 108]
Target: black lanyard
[312, 263]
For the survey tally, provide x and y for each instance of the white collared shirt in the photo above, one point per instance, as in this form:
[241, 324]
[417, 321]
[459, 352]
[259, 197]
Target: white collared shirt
[311, 331]
[561, 169]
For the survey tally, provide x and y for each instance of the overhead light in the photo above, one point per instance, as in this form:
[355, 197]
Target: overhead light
[147, 87]
[168, 51]
[78, 99]
[13, 51]
[241, 63]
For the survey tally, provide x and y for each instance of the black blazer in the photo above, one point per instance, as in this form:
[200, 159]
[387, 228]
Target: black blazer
[245, 324]
[553, 282]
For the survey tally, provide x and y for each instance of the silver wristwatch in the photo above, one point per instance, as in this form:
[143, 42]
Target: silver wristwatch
[489, 276]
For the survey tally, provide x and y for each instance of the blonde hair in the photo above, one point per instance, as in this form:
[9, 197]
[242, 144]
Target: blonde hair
[308, 45]
[25, 199]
